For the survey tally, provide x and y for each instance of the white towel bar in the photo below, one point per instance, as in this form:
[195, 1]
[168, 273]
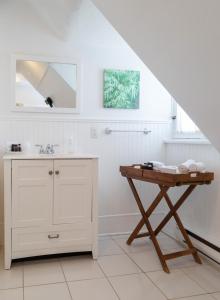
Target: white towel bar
[109, 131]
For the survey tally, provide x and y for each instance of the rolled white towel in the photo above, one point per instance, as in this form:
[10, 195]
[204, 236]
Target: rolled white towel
[193, 167]
[197, 167]
[184, 167]
[169, 169]
[156, 164]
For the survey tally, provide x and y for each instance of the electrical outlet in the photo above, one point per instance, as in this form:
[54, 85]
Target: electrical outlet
[93, 133]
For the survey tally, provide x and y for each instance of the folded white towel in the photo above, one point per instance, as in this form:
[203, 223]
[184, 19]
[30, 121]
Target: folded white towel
[169, 169]
[197, 167]
[184, 167]
[191, 166]
[156, 164]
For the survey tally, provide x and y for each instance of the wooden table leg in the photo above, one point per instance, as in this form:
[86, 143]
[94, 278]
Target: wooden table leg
[182, 229]
[174, 209]
[147, 213]
[148, 225]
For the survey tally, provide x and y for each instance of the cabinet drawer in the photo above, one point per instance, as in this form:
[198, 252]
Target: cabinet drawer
[51, 237]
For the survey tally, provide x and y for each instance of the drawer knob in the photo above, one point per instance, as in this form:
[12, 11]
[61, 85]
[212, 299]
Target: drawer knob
[57, 172]
[53, 236]
[50, 173]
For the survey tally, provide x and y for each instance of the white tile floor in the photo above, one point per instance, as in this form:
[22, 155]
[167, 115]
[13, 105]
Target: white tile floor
[121, 272]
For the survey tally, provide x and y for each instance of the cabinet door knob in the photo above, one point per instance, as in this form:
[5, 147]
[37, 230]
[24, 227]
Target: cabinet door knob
[57, 172]
[50, 172]
[53, 236]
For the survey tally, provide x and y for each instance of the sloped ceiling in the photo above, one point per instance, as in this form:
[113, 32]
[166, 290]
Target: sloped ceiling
[56, 14]
[179, 40]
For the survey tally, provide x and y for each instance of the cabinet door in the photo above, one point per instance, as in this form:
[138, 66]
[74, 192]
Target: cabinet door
[72, 191]
[32, 192]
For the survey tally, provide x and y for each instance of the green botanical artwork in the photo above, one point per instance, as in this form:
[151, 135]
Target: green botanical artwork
[121, 89]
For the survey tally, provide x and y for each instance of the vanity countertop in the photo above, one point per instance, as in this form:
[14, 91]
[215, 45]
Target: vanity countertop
[15, 156]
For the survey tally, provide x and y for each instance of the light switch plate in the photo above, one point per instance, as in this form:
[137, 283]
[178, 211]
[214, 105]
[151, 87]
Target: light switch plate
[93, 133]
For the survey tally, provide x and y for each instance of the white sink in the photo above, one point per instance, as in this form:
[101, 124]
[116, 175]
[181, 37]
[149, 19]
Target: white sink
[48, 156]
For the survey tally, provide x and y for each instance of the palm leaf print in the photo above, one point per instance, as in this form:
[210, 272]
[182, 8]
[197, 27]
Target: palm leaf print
[121, 89]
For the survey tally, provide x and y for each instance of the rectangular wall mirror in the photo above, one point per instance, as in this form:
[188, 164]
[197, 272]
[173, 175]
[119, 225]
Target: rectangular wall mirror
[43, 85]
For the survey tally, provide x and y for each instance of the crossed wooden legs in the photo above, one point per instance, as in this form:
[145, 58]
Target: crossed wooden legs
[153, 233]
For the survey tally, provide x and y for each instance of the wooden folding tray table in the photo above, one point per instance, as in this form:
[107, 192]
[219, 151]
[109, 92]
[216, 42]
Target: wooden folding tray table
[165, 181]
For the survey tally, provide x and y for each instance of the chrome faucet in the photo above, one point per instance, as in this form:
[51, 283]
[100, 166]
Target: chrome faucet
[48, 150]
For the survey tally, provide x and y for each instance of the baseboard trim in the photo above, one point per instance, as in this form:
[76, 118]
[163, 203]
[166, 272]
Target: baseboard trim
[118, 224]
[203, 241]
[203, 248]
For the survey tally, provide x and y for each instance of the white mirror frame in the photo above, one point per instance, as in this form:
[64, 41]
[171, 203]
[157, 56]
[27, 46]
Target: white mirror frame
[59, 110]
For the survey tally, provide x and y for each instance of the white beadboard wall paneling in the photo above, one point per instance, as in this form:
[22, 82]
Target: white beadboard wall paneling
[122, 149]
[200, 213]
[125, 223]
[114, 150]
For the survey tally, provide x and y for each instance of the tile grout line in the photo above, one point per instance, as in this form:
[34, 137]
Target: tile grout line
[142, 271]
[66, 282]
[106, 277]
[42, 284]
[211, 294]
[149, 278]
[189, 297]
[145, 273]
[205, 292]
[13, 288]
[177, 268]
[182, 269]
[195, 281]
[184, 297]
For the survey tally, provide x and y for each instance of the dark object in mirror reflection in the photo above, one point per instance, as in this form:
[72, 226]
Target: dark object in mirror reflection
[49, 102]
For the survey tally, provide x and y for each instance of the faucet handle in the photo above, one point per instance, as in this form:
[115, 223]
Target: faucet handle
[48, 146]
[41, 150]
[52, 146]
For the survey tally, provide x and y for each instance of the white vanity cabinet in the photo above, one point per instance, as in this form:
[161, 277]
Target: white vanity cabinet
[50, 205]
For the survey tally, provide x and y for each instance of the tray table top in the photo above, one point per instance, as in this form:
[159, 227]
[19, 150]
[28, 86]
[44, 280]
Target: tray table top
[167, 179]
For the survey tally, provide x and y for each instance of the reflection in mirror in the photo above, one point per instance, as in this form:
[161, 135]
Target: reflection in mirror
[45, 84]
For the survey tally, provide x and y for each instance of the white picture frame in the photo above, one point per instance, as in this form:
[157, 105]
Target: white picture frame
[75, 61]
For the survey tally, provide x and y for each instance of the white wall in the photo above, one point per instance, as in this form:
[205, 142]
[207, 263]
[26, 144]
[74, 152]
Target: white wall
[200, 213]
[179, 41]
[99, 47]
[91, 39]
